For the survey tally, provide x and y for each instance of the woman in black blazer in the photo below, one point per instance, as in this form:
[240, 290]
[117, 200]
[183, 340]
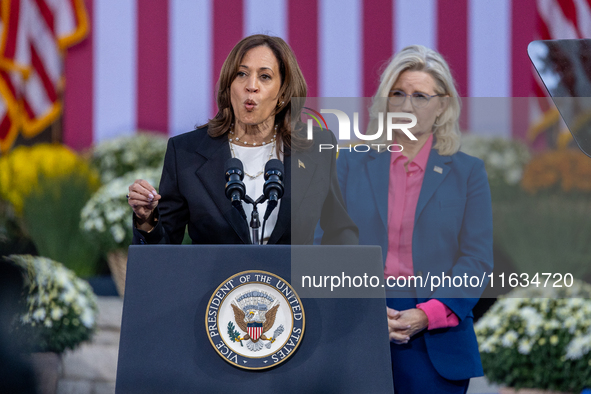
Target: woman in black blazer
[254, 123]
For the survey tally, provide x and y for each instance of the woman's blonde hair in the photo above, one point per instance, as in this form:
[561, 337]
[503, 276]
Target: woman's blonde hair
[419, 58]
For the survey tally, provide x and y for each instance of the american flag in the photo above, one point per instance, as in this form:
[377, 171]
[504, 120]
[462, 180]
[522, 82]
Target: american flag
[153, 64]
[35, 34]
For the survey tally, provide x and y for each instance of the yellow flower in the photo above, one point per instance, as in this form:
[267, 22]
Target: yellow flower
[21, 168]
[542, 341]
[554, 340]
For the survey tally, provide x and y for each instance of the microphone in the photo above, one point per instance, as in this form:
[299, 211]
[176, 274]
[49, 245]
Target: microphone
[273, 188]
[235, 189]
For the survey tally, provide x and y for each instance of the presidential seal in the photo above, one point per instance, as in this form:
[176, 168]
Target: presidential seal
[255, 320]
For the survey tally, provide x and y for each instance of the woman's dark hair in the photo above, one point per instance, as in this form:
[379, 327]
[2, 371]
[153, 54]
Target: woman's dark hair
[293, 84]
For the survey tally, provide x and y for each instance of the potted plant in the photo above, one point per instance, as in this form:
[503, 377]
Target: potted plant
[61, 312]
[46, 186]
[116, 157]
[107, 218]
[539, 338]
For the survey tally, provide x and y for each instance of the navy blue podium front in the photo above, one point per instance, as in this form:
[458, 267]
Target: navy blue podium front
[165, 345]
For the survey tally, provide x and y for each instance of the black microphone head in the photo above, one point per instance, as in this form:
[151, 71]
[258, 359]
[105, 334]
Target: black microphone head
[235, 189]
[234, 166]
[274, 167]
[273, 188]
[233, 162]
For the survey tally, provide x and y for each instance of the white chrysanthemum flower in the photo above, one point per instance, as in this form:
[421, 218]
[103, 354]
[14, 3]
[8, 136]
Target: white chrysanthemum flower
[99, 225]
[574, 303]
[82, 302]
[513, 176]
[87, 226]
[524, 346]
[488, 346]
[578, 347]
[129, 157]
[509, 338]
[118, 233]
[87, 318]
[39, 315]
[56, 314]
[571, 323]
[495, 159]
[69, 296]
[533, 320]
[552, 325]
[109, 161]
[491, 322]
[61, 277]
[116, 214]
[511, 305]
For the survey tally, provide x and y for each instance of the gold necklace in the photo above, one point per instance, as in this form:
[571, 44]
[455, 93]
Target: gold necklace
[269, 158]
[237, 140]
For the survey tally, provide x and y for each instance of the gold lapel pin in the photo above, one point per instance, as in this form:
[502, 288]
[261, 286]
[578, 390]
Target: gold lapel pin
[301, 164]
[438, 169]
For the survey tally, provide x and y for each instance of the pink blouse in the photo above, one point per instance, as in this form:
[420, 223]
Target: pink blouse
[403, 194]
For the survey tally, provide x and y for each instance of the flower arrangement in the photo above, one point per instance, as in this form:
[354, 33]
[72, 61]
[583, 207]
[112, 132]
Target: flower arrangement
[107, 215]
[504, 158]
[116, 157]
[21, 169]
[566, 171]
[61, 308]
[539, 338]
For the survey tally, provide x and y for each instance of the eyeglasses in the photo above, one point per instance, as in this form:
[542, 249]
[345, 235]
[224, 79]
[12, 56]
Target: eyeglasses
[418, 100]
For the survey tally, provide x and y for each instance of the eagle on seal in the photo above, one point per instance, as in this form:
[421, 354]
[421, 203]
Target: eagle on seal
[255, 322]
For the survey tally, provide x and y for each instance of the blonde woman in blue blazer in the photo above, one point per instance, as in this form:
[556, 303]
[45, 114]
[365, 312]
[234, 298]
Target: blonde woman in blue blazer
[433, 345]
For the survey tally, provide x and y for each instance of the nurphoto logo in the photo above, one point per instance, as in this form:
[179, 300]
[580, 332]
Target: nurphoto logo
[393, 120]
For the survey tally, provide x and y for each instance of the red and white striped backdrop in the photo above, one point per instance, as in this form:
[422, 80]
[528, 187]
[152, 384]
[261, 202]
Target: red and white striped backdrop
[152, 64]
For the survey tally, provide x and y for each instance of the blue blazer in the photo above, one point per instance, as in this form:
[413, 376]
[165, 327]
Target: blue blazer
[452, 235]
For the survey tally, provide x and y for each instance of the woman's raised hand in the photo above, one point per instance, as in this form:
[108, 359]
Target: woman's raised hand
[143, 199]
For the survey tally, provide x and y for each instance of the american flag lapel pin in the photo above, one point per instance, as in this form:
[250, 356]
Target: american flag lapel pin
[301, 164]
[438, 169]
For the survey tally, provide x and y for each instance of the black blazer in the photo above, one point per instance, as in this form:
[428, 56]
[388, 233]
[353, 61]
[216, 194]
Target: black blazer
[193, 193]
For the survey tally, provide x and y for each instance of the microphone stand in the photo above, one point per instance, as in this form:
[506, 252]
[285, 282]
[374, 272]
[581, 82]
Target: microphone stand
[255, 222]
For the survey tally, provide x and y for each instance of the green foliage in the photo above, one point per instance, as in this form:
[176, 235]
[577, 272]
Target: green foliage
[61, 308]
[51, 217]
[234, 335]
[545, 233]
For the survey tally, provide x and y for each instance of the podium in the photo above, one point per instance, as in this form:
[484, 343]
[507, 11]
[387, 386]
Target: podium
[165, 347]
